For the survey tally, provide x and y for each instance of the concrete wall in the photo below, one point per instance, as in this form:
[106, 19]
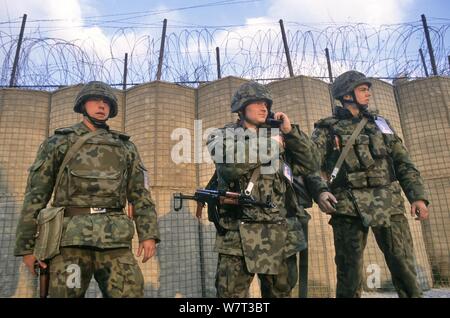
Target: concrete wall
[23, 127]
[151, 112]
[425, 114]
[305, 100]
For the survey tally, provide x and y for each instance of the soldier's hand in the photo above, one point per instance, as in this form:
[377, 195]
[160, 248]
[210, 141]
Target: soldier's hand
[30, 262]
[149, 249]
[279, 139]
[286, 125]
[326, 202]
[419, 210]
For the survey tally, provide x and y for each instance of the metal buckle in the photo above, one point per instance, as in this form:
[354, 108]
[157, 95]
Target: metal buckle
[98, 210]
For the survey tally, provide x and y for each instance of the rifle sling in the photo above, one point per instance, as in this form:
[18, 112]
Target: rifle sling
[253, 179]
[346, 150]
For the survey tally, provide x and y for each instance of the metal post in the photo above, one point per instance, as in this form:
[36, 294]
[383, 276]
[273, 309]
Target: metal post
[286, 49]
[330, 74]
[430, 47]
[219, 74]
[161, 50]
[303, 265]
[423, 62]
[125, 69]
[12, 81]
[449, 61]
[201, 239]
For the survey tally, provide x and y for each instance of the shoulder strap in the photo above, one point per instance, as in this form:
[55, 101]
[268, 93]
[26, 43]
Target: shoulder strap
[253, 179]
[326, 122]
[212, 183]
[71, 153]
[346, 150]
[120, 134]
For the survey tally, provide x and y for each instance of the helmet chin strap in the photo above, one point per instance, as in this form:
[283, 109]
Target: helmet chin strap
[97, 123]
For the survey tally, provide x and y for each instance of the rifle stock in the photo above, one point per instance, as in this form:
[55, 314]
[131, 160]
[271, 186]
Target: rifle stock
[44, 280]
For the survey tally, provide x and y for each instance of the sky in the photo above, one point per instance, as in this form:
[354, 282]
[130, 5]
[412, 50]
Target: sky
[96, 22]
[82, 18]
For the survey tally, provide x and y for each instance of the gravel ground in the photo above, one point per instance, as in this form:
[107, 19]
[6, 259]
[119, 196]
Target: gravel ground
[432, 293]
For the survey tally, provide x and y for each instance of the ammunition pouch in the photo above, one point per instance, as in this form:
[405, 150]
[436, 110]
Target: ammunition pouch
[49, 232]
[368, 164]
[372, 178]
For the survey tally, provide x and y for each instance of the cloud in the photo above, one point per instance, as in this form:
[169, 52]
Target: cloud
[306, 57]
[65, 21]
[346, 11]
[239, 44]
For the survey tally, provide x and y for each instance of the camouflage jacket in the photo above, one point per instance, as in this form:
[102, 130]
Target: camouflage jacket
[298, 154]
[368, 184]
[105, 173]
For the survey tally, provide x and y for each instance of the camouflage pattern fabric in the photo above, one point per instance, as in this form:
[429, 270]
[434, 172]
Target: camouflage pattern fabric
[371, 169]
[350, 237]
[261, 249]
[233, 280]
[237, 175]
[96, 89]
[250, 92]
[397, 246]
[345, 83]
[263, 239]
[368, 189]
[115, 270]
[105, 173]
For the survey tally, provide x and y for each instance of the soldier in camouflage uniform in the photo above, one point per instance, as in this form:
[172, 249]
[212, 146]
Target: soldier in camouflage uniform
[259, 240]
[368, 189]
[97, 233]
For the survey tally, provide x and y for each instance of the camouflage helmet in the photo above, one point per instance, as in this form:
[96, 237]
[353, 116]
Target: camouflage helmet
[346, 83]
[250, 92]
[96, 89]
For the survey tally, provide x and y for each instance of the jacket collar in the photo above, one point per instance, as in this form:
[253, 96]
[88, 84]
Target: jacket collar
[340, 112]
[81, 129]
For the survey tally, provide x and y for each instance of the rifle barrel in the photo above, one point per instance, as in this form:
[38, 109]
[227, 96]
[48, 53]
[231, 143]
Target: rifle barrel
[185, 197]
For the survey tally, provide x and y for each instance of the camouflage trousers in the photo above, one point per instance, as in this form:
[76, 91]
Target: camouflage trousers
[350, 238]
[115, 270]
[233, 279]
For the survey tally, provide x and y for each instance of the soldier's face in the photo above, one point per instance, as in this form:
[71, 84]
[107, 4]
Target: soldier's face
[97, 108]
[362, 93]
[257, 112]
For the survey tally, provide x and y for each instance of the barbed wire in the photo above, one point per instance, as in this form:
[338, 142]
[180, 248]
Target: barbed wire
[254, 51]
